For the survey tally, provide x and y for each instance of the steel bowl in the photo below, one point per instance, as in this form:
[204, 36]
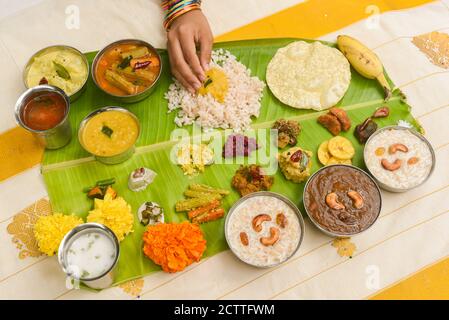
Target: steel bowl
[74, 95]
[102, 281]
[56, 137]
[115, 159]
[329, 232]
[269, 194]
[127, 98]
[421, 137]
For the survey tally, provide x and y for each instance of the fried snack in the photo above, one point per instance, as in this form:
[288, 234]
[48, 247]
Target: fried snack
[341, 148]
[323, 153]
[209, 216]
[334, 160]
[206, 188]
[342, 116]
[331, 123]
[202, 210]
[189, 204]
[199, 194]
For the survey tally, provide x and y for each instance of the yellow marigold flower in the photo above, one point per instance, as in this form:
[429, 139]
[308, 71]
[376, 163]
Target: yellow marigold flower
[113, 213]
[50, 230]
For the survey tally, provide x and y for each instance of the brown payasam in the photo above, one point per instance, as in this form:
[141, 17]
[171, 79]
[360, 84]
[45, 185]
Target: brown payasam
[342, 200]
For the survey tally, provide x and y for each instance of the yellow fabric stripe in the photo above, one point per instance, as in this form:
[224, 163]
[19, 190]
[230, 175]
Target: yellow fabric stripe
[19, 151]
[430, 283]
[315, 18]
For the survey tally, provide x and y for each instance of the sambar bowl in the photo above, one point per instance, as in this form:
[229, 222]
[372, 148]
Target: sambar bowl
[127, 98]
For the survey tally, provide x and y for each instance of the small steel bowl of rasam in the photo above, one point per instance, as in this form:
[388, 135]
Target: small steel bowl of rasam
[44, 111]
[342, 200]
[110, 134]
[62, 66]
[127, 70]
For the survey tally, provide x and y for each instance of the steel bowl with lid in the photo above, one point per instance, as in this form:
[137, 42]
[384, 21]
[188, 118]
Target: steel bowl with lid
[337, 221]
[256, 236]
[55, 48]
[368, 157]
[133, 97]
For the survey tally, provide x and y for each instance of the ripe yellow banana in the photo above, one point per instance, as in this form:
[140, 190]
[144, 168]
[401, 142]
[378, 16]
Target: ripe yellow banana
[364, 61]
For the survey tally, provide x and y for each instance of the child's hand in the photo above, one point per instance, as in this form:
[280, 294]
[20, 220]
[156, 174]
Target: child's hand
[186, 33]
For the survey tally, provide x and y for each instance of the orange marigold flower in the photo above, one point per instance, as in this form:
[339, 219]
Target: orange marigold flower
[174, 246]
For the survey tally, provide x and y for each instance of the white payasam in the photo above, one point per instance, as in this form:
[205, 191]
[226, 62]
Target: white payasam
[309, 75]
[240, 103]
[91, 255]
[255, 253]
[416, 162]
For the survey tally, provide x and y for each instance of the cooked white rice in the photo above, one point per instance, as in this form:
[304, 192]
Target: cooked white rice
[240, 104]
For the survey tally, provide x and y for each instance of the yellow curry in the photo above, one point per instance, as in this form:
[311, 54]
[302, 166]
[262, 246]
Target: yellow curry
[216, 84]
[110, 133]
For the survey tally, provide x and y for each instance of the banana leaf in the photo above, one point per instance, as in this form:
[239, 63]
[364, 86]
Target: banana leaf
[67, 171]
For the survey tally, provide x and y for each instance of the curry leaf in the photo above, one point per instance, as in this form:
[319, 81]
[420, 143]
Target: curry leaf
[62, 71]
[125, 63]
[107, 131]
[208, 82]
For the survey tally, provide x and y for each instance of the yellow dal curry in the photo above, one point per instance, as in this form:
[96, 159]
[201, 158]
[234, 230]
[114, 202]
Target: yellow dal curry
[110, 133]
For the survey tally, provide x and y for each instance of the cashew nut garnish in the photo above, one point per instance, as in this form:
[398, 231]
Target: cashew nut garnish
[272, 239]
[357, 199]
[391, 166]
[258, 220]
[244, 238]
[397, 147]
[281, 220]
[332, 201]
[412, 161]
